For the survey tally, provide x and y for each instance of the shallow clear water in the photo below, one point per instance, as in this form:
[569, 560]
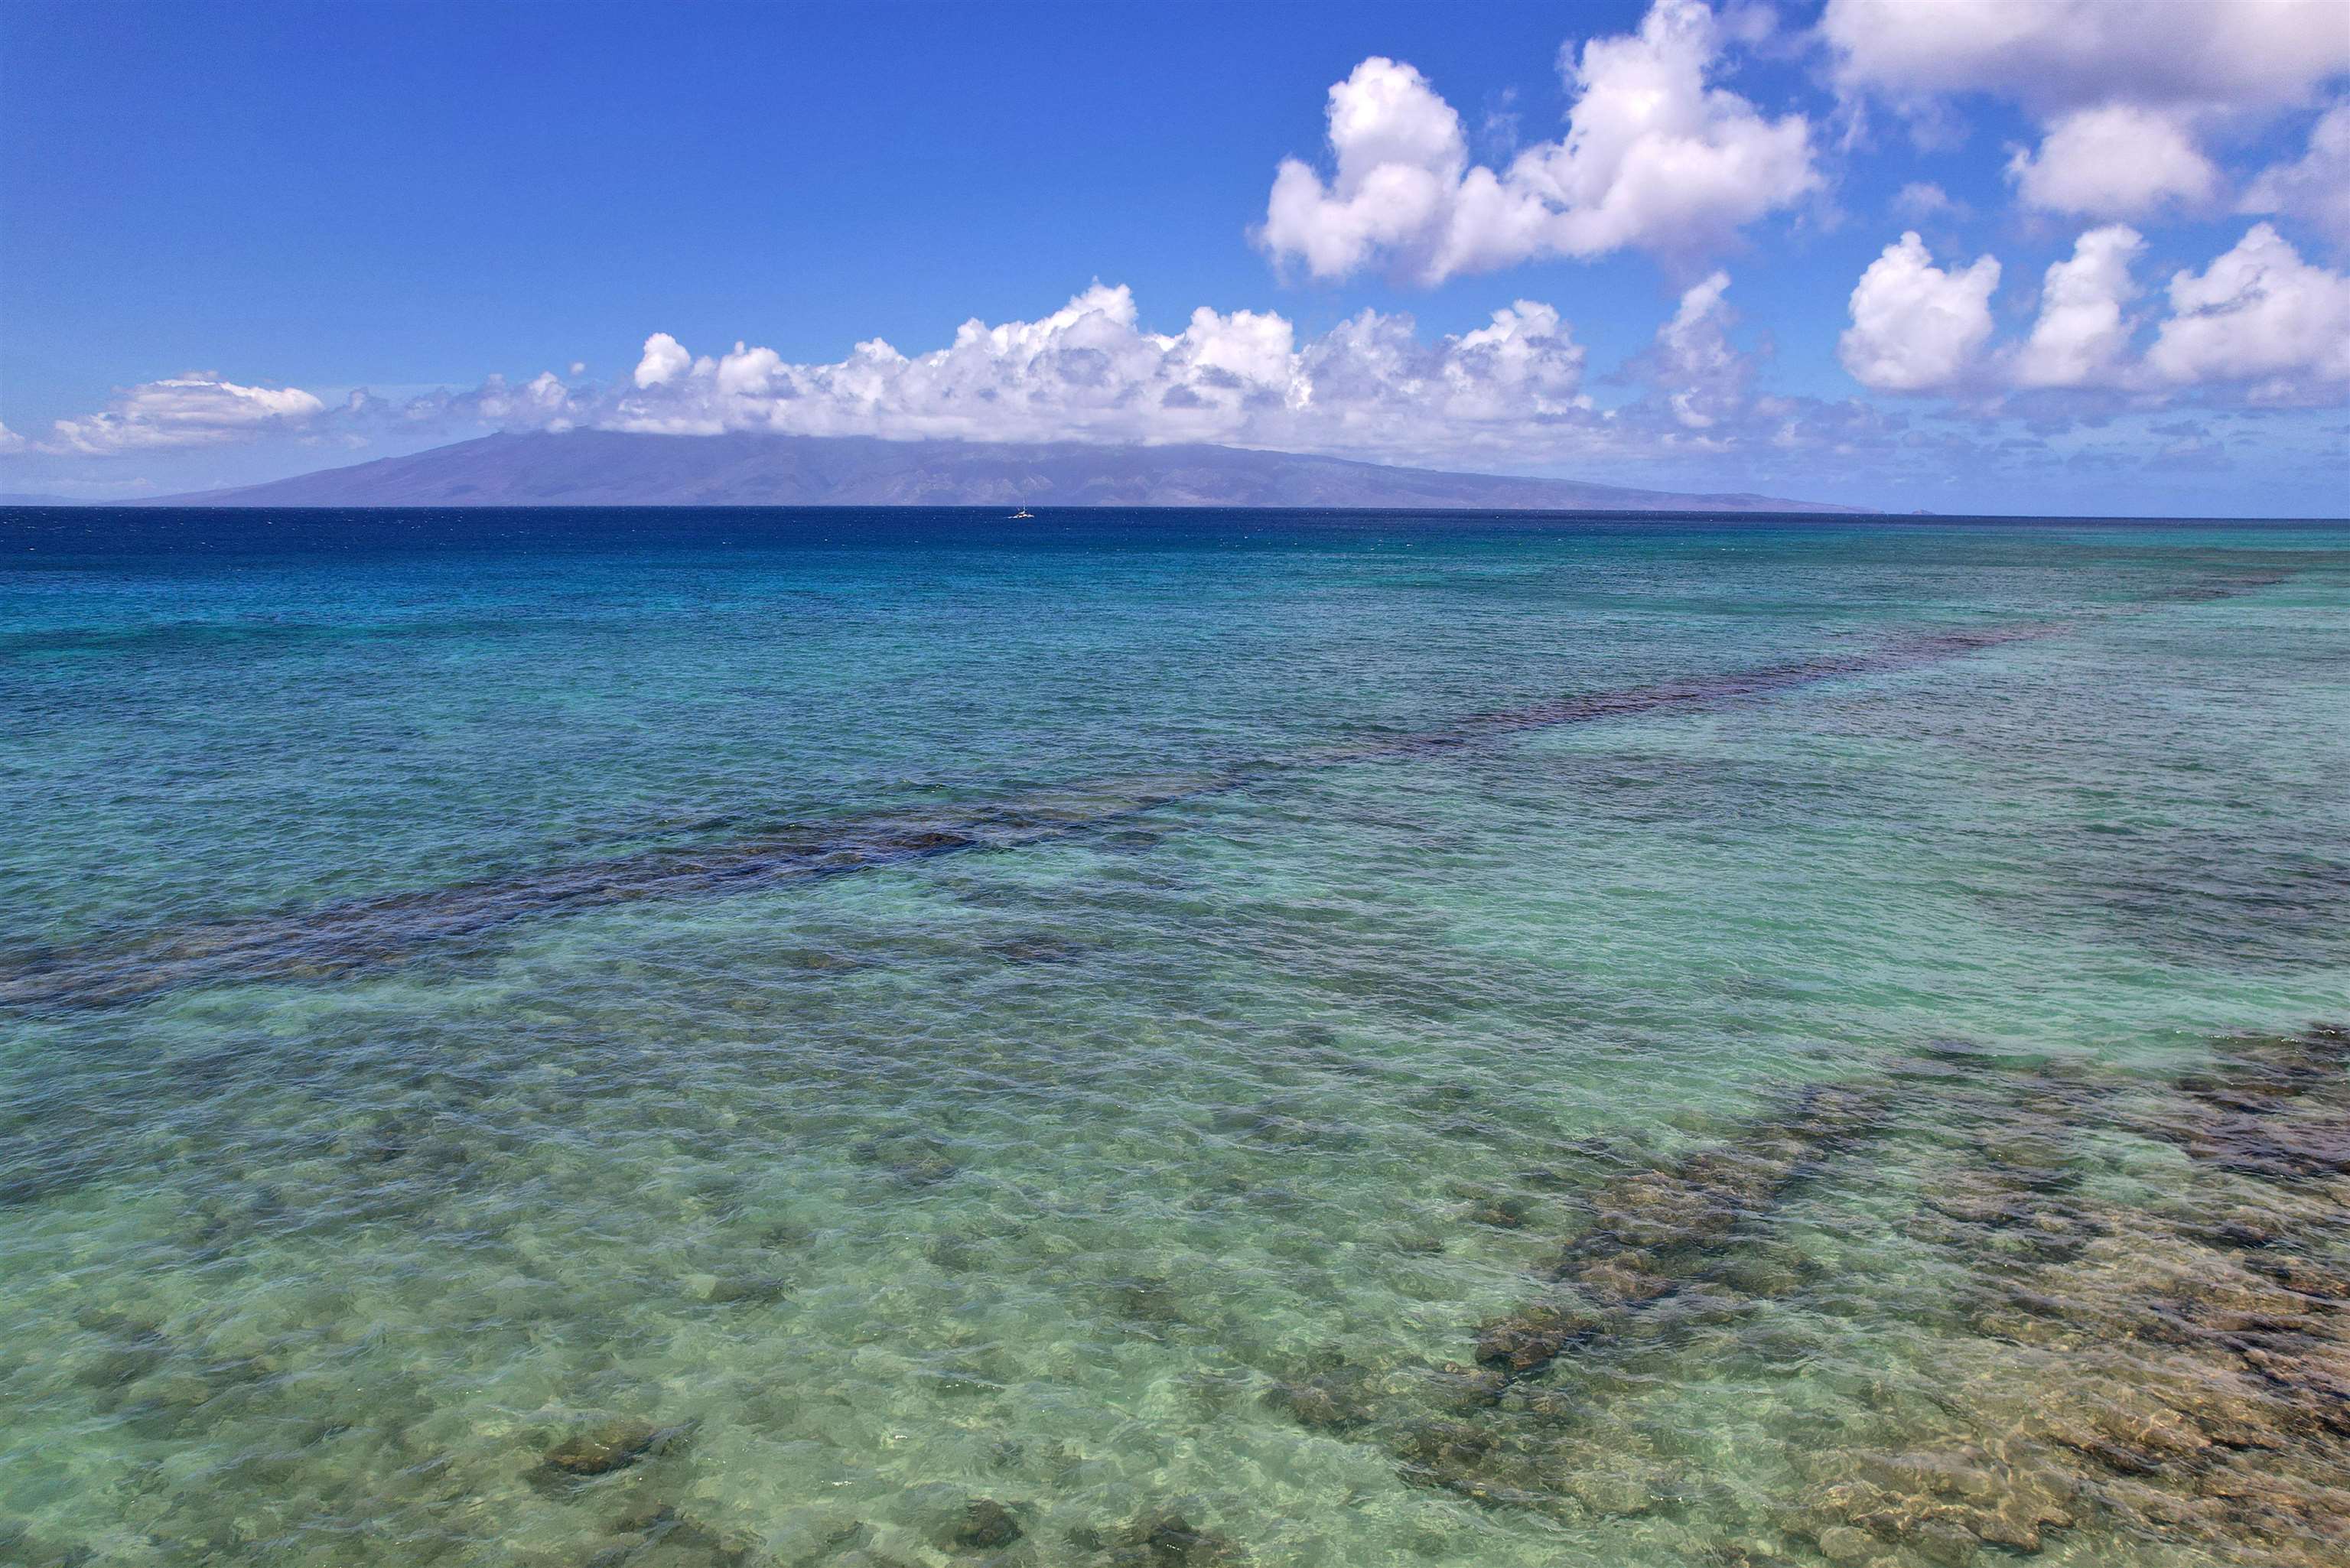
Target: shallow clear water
[878, 1018]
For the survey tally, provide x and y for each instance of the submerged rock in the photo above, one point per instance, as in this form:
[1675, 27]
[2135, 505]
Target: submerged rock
[1503, 1213]
[663, 1535]
[1940, 1501]
[1534, 1335]
[610, 1446]
[1146, 1300]
[1164, 1539]
[1333, 1402]
[1445, 1453]
[125, 1362]
[19, 1545]
[1843, 1543]
[912, 1159]
[985, 1525]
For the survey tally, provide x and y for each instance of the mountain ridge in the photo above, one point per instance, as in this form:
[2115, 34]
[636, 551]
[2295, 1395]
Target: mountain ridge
[614, 468]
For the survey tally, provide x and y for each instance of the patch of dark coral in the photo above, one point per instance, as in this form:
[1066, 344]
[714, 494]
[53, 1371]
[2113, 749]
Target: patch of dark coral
[1658, 1232]
[2175, 1373]
[2180, 1377]
[2009, 1197]
[1160, 1539]
[660, 1536]
[984, 1525]
[1667, 1248]
[1316, 1404]
[2234, 1116]
[914, 1160]
[602, 1448]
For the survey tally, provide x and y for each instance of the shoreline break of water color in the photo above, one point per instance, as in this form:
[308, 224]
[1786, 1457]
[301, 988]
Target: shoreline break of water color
[1349, 1040]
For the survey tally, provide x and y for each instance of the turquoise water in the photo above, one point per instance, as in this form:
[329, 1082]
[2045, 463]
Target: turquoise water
[1167, 1038]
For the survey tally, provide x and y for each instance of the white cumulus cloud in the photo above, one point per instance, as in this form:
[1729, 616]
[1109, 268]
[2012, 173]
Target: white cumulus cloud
[185, 410]
[663, 360]
[1916, 326]
[543, 402]
[1704, 375]
[2082, 335]
[2115, 160]
[10, 441]
[2258, 315]
[2317, 188]
[2259, 324]
[1653, 159]
[1400, 157]
[2125, 91]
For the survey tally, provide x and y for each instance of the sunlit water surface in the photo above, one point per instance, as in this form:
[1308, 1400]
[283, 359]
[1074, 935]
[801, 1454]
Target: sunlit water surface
[854, 1039]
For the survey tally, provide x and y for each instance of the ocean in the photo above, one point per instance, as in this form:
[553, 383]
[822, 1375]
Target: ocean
[1167, 1039]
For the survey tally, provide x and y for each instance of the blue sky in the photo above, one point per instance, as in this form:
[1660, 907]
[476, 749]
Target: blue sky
[237, 241]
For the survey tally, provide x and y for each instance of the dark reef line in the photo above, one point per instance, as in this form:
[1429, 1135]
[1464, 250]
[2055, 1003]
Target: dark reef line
[338, 939]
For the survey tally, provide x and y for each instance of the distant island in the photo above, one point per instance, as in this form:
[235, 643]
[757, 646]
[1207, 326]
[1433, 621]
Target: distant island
[613, 468]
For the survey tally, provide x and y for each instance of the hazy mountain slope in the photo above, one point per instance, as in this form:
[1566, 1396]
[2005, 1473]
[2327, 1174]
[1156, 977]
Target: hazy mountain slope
[610, 468]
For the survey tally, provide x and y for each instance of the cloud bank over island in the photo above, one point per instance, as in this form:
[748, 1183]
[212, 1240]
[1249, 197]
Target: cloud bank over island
[2202, 275]
[193, 409]
[1089, 371]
